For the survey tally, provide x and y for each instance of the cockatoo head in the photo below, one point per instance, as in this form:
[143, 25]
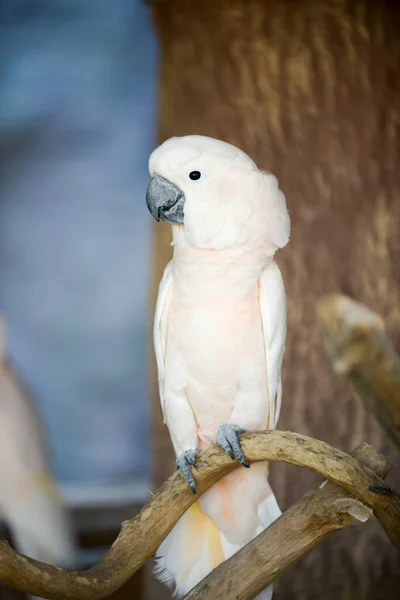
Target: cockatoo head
[217, 193]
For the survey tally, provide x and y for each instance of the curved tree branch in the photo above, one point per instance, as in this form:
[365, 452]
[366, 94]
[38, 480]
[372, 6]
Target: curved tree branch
[325, 509]
[356, 341]
[140, 537]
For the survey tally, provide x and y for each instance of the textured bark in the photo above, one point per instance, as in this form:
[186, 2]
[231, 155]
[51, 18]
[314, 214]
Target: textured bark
[141, 536]
[322, 511]
[310, 89]
[355, 340]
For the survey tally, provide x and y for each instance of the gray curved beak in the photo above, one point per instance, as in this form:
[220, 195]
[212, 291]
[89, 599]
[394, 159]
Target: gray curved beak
[165, 200]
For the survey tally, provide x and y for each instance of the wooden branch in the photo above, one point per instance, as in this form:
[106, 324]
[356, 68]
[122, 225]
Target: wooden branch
[356, 342]
[325, 509]
[141, 536]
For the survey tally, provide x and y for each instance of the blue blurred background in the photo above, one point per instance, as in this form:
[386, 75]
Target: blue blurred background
[77, 124]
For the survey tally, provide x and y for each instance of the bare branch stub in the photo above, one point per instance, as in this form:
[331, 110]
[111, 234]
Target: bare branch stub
[323, 510]
[140, 537]
[356, 341]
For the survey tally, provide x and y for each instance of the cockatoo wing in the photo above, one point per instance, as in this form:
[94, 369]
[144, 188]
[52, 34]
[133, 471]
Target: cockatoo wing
[160, 327]
[272, 299]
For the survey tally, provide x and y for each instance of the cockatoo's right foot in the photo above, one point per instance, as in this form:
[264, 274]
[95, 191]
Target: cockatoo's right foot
[228, 438]
[184, 464]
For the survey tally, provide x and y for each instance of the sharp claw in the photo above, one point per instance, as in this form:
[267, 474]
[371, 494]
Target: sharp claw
[228, 438]
[227, 447]
[239, 453]
[244, 462]
[184, 464]
[189, 478]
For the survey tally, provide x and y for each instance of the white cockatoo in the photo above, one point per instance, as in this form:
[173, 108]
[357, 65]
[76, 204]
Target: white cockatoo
[29, 500]
[219, 333]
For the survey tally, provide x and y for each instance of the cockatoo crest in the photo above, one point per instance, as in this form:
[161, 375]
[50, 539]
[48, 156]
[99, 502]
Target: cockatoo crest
[219, 195]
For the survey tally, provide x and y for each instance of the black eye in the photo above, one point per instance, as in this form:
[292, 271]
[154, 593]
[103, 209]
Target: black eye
[194, 175]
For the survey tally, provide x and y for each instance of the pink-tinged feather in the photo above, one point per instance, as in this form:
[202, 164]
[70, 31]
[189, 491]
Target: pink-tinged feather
[219, 334]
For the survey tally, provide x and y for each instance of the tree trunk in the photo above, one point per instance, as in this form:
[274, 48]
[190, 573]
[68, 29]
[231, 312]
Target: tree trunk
[311, 90]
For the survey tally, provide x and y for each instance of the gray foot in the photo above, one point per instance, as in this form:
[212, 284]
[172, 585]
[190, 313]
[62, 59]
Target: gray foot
[184, 464]
[228, 438]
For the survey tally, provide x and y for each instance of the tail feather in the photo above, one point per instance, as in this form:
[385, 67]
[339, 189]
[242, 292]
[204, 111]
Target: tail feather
[266, 594]
[191, 550]
[268, 511]
[226, 517]
[232, 503]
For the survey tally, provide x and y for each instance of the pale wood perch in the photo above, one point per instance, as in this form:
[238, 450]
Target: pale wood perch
[356, 341]
[325, 509]
[140, 537]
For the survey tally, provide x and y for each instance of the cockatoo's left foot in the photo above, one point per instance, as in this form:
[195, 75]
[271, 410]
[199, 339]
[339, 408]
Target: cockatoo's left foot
[228, 438]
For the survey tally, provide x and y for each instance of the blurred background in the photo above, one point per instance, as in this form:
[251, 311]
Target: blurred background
[311, 90]
[77, 124]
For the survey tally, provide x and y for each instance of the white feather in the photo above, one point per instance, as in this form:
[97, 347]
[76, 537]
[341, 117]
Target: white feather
[219, 334]
[272, 300]
[29, 499]
[160, 327]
